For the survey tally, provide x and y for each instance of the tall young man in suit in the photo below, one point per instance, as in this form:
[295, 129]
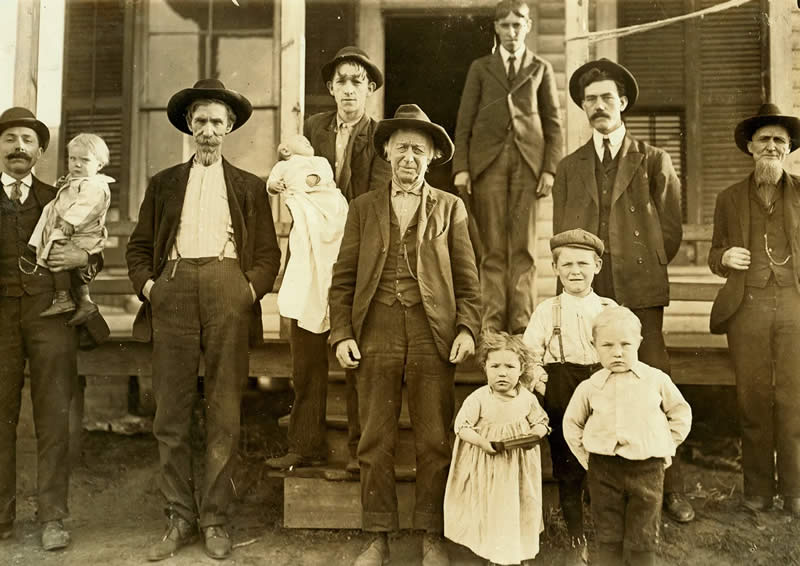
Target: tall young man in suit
[202, 255]
[508, 144]
[49, 344]
[626, 192]
[756, 246]
[344, 137]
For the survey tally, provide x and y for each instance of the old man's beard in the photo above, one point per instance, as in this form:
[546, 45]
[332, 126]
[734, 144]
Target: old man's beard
[768, 171]
[209, 149]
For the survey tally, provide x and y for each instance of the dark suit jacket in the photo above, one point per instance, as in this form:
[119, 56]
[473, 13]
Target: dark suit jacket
[645, 225]
[732, 229]
[489, 106]
[448, 277]
[160, 214]
[362, 168]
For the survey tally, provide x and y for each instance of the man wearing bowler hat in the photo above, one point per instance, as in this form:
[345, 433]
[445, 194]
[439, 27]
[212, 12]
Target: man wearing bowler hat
[627, 193]
[755, 246]
[405, 305]
[49, 344]
[202, 255]
[344, 137]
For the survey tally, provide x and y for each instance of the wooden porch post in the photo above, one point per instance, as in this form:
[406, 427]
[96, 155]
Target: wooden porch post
[19, 54]
[577, 53]
[371, 37]
[605, 17]
[293, 54]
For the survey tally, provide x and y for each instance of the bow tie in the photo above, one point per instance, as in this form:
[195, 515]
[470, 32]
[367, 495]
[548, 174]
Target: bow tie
[417, 191]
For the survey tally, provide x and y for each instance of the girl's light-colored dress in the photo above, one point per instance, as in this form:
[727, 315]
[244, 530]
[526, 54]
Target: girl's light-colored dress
[77, 213]
[493, 503]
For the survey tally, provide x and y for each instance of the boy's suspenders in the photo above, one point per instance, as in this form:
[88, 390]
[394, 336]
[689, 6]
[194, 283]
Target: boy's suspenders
[557, 327]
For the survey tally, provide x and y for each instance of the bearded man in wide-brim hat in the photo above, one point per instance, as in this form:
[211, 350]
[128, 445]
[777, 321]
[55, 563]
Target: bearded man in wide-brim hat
[203, 253]
[756, 246]
[404, 305]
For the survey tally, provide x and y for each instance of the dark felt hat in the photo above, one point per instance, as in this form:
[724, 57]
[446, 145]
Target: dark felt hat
[577, 238]
[205, 89]
[614, 70]
[18, 116]
[769, 114]
[411, 117]
[353, 53]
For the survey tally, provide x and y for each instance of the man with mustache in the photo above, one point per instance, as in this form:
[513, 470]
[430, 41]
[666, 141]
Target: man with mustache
[203, 253]
[755, 245]
[626, 192]
[49, 344]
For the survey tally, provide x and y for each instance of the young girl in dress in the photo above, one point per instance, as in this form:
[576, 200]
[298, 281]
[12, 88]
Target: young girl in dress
[493, 501]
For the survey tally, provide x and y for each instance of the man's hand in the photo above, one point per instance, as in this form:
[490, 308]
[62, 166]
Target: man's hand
[348, 354]
[736, 258]
[463, 346]
[463, 183]
[65, 256]
[545, 185]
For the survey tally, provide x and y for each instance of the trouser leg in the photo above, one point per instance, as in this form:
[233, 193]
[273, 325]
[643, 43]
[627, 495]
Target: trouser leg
[608, 509]
[307, 431]
[643, 487]
[787, 391]
[521, 213]
[353, 425]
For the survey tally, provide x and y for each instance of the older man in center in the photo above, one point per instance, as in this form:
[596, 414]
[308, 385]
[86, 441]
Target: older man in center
[405, 308]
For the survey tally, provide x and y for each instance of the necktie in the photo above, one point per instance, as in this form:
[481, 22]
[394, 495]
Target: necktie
[607, 159]
[342, 137]
[16, 192]
[512, 71]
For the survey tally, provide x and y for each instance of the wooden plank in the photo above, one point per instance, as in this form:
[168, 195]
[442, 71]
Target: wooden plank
[576, 54]
[693, 366]
[693, 291]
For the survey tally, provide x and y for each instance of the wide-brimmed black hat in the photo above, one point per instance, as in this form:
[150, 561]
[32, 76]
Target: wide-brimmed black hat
[615, 70]
[205, 89]
[411, 117]
[769, 114]
[19, 116]
[353, 53]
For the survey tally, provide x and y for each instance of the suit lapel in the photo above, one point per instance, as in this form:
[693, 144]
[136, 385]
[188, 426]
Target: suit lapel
[791, 216]
[327, 147]
[41, 193]
[629, 160]
[358, 138]
[235, 189]
[173, 200]
[529, 66]
[380, 206]
[497, 69]
[428, 204]
[586, 169]
[741, 202]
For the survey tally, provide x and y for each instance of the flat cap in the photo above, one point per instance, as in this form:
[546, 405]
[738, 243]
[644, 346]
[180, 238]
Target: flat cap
[577, 238]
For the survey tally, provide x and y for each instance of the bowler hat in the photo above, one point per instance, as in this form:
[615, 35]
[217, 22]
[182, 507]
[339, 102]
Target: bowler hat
[411, 117]
[577, 238]
[207, 89]
[18, 116]
[769, 114]
[353, 53]
[615, 70]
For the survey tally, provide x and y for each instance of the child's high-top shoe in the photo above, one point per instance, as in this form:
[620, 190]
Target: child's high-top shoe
[62, 302]
[86, 307]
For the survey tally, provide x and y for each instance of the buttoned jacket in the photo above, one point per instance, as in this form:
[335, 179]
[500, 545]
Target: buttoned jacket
[732, 229]
[156, 229]
[445, 270]
[490, 107]
[645, 224]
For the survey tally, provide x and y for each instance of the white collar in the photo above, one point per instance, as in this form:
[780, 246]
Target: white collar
[340, 121]
[7, 179]
[518, 54]
[616, 138]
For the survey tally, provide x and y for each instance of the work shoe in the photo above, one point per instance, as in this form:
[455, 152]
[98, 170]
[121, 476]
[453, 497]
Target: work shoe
[434, 551]
[376, 554]
[352, 466]
[678, 508]
[757, 502]
[293, 460]
[54, 536]
[62, 302]
[179, 533]
[218, 542]
[6, 531]
[86, 308]
[792, 505]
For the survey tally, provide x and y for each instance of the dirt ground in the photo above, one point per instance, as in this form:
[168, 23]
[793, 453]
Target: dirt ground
[116, 511]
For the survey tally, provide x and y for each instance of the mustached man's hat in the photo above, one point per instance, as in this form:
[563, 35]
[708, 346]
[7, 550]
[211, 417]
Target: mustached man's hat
[768, 115]
[18, 116]
[352, 53]
[207, 89]
[616, 71]
[411, 117]
[577, 238]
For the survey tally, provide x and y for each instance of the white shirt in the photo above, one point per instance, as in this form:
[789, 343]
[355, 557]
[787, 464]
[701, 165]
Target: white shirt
[343, 132]
[577, 316]
[205, 229]
[25, 188]
[616, 138]
[519, 54]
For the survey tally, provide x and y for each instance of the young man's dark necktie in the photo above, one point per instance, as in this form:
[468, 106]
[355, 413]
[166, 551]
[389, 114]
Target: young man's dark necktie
[607, 159]
[16, 192]
[512, 71]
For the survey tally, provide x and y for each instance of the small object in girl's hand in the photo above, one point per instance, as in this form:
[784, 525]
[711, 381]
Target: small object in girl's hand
[526, 442]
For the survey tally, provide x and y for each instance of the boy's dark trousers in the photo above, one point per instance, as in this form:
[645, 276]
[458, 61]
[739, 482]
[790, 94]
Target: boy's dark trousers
[562, 379]
[626, 507]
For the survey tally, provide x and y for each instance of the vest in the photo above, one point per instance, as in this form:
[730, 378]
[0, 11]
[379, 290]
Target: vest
[761, 268]
[605, 178]
[16, 226]
[397, 283]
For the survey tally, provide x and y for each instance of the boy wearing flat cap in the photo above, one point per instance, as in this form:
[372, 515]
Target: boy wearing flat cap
[559, 335]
